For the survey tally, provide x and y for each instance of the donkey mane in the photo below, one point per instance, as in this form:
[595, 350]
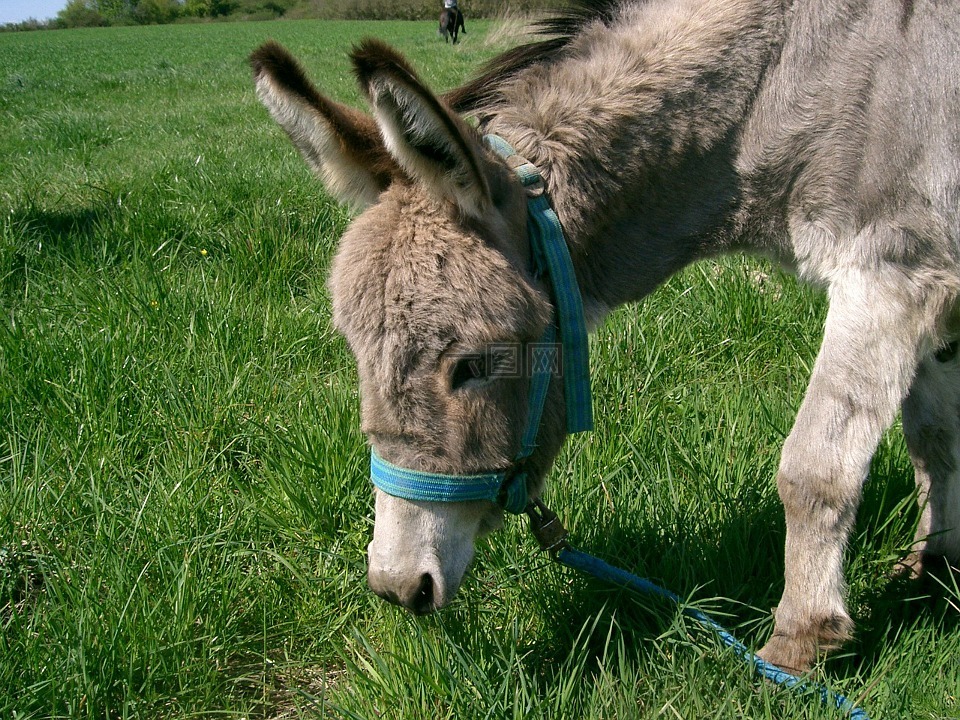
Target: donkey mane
[558, 31]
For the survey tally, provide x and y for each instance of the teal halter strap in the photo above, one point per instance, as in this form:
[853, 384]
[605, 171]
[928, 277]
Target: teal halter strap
[550, 258]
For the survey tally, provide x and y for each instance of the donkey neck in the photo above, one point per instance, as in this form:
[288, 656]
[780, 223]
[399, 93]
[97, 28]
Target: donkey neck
[634, 129]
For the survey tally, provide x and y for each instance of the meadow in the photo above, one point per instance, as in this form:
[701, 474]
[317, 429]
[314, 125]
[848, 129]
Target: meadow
[184, 502]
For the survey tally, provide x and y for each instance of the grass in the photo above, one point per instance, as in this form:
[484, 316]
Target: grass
[183, 501]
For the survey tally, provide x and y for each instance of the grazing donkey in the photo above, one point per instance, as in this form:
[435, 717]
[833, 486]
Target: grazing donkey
[822, 133]
[451, 23]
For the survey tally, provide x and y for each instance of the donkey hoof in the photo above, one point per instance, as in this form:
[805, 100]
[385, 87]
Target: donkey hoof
[796, 653]
[789, 654]
[909, 568]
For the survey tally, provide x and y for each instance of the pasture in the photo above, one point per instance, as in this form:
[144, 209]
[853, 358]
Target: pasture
[184, 502]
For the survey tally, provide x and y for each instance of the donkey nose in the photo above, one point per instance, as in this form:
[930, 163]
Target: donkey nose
[416, 594]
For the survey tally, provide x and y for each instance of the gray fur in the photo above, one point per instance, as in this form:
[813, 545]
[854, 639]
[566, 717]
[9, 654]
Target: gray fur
[821, 133]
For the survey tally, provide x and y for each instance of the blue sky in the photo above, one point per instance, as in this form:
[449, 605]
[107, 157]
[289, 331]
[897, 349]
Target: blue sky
[17, 10]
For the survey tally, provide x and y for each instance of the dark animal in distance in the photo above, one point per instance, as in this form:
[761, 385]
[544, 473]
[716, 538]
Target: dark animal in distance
[451, 23]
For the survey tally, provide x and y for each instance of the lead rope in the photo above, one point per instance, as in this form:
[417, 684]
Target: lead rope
[552, 537]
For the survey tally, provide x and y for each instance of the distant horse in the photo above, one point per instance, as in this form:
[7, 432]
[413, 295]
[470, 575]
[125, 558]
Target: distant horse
[821, 133]
[451, 23]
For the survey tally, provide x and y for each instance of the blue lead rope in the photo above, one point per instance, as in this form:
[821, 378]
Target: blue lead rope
[553, 538]
[601, 570]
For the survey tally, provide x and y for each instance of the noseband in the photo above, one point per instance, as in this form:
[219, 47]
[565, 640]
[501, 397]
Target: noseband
[550, 258]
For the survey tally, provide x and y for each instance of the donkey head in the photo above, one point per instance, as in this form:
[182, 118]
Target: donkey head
[430, 285]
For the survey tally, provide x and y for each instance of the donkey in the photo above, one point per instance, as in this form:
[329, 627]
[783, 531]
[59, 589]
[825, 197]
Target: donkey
[822, 133]
[451, 23]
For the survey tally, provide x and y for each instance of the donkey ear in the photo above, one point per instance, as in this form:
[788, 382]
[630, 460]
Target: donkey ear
[430, 142]
[340, 144]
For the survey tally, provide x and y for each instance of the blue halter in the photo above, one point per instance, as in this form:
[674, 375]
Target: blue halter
[550, 257]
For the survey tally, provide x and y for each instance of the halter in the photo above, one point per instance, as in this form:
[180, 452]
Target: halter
[551, 258]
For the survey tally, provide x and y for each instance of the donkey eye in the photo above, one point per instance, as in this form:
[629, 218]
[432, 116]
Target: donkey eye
[468, 369]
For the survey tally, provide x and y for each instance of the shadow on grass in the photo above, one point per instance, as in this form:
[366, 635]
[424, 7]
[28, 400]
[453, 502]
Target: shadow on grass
[734, 572]
[61, 230]
[931, 601]
[894, 601]
[577, 610]
[35, 233]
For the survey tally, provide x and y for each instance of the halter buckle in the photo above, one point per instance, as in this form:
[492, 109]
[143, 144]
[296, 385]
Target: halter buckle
[546, 527]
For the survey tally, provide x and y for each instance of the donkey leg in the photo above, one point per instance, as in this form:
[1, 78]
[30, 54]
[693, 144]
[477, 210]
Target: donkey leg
[931, 425]
[874, 329]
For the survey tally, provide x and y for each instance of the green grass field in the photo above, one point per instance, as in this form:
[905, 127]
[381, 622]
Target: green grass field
[184, 506]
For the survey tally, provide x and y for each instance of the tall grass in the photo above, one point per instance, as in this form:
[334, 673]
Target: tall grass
[183, 501]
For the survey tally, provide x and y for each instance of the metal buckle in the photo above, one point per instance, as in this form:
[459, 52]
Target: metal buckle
[546, 527]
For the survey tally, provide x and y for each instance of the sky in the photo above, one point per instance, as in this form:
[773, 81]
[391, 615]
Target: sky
[19, 10]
